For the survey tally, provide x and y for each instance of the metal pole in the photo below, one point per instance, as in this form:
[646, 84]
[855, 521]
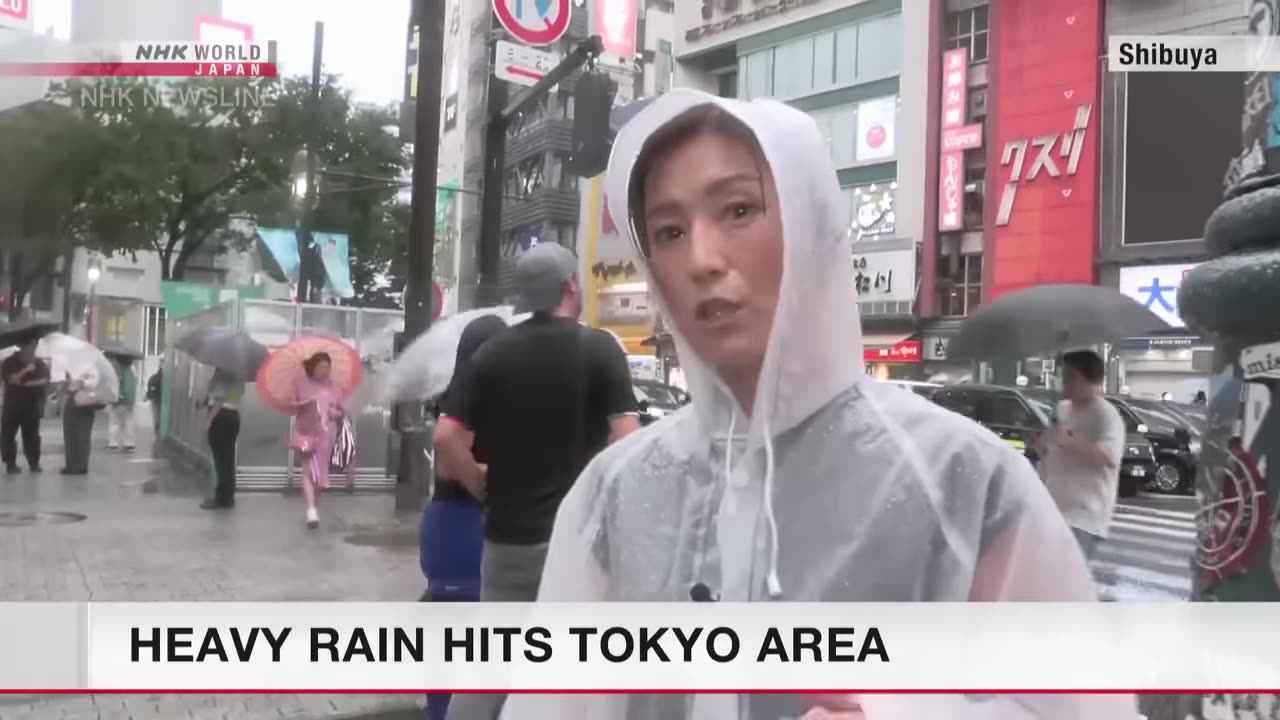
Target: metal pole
[495, 157]
[305, 254]
[429, 16]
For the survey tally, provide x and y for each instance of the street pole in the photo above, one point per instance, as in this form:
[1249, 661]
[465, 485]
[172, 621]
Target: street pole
[305, 254]
[495, 158]
[429, 16]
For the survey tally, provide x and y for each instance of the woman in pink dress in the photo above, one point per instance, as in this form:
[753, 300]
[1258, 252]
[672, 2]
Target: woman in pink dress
[319, 411]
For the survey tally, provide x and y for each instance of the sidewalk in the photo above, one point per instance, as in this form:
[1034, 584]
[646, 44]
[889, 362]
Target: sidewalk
[143, 537]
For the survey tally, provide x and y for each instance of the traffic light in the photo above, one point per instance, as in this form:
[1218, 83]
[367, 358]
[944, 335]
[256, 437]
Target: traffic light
[592, 136]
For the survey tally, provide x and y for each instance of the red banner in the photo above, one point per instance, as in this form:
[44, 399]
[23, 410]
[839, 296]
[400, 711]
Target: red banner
[905, 351]
[615, 22]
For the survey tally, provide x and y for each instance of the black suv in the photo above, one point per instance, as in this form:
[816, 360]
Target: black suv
[657, 400]
[1174, 440]
[1020, 415]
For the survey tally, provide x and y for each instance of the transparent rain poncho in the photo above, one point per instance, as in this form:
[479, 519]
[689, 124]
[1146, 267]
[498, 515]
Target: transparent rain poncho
[836, 488]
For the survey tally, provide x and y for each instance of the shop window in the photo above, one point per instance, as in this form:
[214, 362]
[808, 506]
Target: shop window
[879, 48]
[975, 180]
[959, 285]
[153, 328]
[969, 29]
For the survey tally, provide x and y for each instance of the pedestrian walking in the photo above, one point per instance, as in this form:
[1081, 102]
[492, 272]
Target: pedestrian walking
[25, 378]
[451, 536]
[81, 403]
[320, 412]
[521, 421]
[225, 393]
[155, 386]
[1083, 449]
[120, 422]
[792, 475]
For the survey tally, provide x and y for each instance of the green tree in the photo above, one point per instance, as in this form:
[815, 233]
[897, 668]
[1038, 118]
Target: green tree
[362, 157]
[50, 195]
[182, 155]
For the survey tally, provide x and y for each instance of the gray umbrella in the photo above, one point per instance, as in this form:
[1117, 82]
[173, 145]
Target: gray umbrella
[1049, 319]
[226, 349]
[117, 349]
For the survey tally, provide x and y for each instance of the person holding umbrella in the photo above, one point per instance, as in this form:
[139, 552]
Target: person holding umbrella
[311, 378]
[223, 431]
[120, 424]
[25, 379]
[84, 399]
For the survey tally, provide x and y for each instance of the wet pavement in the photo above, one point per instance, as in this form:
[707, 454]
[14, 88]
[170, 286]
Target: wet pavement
[142, 537]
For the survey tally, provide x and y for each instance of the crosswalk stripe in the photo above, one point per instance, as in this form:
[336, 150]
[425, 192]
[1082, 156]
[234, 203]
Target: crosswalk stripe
[1150, 529]
[1147, 556]
[1189, 524]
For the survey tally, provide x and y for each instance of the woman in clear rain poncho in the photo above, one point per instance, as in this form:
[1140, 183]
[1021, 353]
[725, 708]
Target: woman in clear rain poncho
[793, 475]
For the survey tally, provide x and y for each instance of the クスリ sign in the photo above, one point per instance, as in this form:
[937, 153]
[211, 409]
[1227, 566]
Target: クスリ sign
[1068, 146]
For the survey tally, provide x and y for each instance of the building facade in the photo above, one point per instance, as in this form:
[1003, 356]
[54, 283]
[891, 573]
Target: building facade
[861, 70]
[1050, 169]
[1164, 170]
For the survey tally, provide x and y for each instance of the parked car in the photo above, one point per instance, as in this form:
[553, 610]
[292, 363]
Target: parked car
[1021, 415]
[657, 399]
[1173, 438]
[924, 389]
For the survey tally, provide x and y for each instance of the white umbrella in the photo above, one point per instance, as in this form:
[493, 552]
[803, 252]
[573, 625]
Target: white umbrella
[425, 367]
[71, 356]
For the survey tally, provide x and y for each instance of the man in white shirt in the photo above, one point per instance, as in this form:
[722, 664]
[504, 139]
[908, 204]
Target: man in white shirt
[1083, 451]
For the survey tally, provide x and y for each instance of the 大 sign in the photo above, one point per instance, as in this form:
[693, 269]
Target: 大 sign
[1156, 287]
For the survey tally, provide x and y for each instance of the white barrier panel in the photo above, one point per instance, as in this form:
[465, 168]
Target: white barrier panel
[781, 647]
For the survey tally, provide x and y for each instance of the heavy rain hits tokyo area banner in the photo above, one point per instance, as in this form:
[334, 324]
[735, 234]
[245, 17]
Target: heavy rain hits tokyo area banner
[783, 647]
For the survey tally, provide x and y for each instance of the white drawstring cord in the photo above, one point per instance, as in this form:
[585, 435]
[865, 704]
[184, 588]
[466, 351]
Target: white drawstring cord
[772, 583]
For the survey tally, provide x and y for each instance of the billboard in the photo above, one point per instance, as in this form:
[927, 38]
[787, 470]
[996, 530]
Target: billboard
[1042, 161]
[615, 22]
[1156, 287]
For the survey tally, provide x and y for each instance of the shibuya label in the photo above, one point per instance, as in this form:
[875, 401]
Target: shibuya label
[1069, 146]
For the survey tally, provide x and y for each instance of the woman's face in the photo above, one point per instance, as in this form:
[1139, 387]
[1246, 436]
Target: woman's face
[714, 232]
[321, 371]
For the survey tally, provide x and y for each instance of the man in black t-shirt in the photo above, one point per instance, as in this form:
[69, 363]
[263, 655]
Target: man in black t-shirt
[536, 404]
[25, 378]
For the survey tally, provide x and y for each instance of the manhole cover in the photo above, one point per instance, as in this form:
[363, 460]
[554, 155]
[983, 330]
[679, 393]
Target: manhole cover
[24, 519]
[393, 539]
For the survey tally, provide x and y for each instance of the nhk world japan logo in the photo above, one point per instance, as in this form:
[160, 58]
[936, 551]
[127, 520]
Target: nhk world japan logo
[152, 59]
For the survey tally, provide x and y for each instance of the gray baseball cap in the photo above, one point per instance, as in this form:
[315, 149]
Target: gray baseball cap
[541, 273]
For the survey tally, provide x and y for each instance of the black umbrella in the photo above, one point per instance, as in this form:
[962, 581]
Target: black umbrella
[117, 349]
[226, 349]
[1049, 319]
[24, 331]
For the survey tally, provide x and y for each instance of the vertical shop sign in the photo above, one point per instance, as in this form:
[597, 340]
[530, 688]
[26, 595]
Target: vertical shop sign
[955, 99]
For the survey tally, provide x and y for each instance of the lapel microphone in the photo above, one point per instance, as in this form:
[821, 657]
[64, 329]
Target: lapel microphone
[699, 592]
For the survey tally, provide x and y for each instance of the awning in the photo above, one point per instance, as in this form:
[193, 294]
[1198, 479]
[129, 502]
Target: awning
[884, 340]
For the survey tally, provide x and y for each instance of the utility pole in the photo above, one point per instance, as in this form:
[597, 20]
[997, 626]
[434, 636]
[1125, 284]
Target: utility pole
[306, 255]
[429, 17]
[495, 151]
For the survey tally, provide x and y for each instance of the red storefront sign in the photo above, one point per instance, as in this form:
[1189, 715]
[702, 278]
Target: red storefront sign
[967, 137]
[1043, 151]
[955, 99]
[905, 351]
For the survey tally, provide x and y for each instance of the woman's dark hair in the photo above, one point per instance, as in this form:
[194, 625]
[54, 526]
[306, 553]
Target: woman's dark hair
[311, 363]
[474, 335]
[1088, 363]
[701, 120]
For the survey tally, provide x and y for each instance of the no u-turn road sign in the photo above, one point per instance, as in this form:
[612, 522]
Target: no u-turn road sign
[534, 22]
